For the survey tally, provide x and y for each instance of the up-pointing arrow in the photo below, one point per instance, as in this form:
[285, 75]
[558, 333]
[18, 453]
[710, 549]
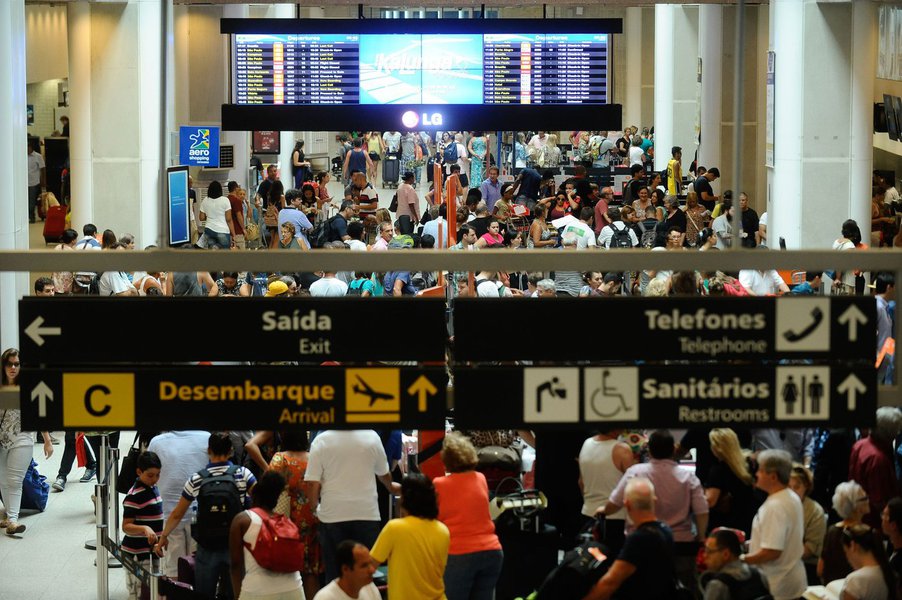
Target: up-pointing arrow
[853, 317]
[42, 393]
[851, 386]
[422, 388]
[36, 332]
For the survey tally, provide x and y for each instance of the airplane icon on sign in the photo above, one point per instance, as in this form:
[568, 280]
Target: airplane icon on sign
[364, 389]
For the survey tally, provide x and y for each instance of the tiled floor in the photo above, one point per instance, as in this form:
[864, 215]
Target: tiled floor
[49, 561]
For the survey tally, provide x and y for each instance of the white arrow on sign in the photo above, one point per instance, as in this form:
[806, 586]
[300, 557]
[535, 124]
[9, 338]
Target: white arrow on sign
[35, 331]
[42, 393]
[851, 386]
[853, 317]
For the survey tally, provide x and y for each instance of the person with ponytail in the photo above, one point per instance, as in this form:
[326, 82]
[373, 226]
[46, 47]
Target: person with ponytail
[873, 578]
[730, 492]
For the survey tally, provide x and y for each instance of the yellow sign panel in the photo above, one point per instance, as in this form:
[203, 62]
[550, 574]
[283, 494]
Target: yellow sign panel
[373, 395]
[99, 400]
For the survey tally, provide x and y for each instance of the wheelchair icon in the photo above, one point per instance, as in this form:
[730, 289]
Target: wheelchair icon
[606, 401]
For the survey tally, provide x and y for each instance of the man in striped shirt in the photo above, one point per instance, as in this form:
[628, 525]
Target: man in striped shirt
[142, 518]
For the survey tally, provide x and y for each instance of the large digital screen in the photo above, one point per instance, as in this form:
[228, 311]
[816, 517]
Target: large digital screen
[420, 69]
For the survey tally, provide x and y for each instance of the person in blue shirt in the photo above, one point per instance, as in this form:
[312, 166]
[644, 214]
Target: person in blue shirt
[811, 286]
[491, 188]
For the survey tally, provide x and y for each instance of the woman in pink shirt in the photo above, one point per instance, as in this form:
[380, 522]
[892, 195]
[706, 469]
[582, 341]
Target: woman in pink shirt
[475, 556]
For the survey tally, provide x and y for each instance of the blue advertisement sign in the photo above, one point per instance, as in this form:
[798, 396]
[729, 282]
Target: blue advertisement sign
[179, 207]
[199, 146]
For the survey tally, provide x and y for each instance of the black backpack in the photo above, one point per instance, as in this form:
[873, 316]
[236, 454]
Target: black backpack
[751, 589]
[621, 237]
[356, 290]
[218, 501]
[649, 233]
[577, 574]
[321, 233]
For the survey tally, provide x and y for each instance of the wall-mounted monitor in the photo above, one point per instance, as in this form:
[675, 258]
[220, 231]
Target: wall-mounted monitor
[266, 142]
[405, 74]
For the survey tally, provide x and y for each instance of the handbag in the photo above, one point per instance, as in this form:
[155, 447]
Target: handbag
[393, 205]
[35, 489]
[128, 471]
[271, 217]
[497, 454]
[283, 504]
[500, 457]
[251, 229]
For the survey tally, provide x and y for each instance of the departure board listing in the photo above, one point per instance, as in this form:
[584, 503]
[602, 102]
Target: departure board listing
[460, 68]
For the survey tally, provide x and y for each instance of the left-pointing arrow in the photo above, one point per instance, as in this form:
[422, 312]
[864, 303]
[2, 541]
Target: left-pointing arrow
[36, 332]
[42, 393]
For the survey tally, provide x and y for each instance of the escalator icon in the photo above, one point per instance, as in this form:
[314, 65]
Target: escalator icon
[611, 394]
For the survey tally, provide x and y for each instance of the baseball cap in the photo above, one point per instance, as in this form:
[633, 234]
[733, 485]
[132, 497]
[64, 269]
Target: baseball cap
[276, 288]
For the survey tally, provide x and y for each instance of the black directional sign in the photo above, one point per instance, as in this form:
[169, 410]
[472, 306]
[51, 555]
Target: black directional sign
[86, 330]
[586, 397]
[698, 328]
[228, 398]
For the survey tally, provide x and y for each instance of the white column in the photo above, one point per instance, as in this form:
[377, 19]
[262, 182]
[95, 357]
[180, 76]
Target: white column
[122, 87]
[180, 70]
[676, 55]
[822, 153]
[632, 98]
[240, 139]
[14, 185]
[710, 50]
[78, 18]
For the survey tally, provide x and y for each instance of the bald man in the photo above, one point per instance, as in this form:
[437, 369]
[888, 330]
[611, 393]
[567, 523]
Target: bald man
[639, 571]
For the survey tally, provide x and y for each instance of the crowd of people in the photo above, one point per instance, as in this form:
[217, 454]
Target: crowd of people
[759, 512]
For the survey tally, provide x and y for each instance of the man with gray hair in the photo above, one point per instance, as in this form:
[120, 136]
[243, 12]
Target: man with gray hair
[871, 462]
[545, 288]
[640, 570]
[777, 542]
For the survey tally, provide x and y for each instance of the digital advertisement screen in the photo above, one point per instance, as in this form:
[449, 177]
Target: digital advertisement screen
[429, 69]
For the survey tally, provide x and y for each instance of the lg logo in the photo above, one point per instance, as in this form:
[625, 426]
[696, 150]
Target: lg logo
[411, 119]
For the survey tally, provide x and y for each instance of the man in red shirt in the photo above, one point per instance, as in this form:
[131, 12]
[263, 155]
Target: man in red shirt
[601, 209]
[871, 463]
[236, 199]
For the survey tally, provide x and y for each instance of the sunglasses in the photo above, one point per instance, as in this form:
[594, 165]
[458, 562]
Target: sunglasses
[14, 364]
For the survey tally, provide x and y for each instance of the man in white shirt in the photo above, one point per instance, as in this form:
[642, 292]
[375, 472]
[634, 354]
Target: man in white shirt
[392, 141]
[182, 454]
[762, 283]
[356, 579]
[116, 283]
[617, 224]
[37, 179]
[341, 471]
[88, 242]
[538, 141]
[328, 286]
[777, 542]
[431, 227]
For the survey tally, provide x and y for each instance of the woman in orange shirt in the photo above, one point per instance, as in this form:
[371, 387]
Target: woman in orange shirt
[475, 555]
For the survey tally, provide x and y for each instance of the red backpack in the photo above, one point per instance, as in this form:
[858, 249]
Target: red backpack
[279, 547]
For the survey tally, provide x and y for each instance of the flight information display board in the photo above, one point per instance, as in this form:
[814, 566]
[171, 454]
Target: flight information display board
[428, 69]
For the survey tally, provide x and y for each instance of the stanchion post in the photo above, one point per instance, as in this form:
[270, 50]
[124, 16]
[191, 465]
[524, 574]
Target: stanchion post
[103, 575]
[112, 490]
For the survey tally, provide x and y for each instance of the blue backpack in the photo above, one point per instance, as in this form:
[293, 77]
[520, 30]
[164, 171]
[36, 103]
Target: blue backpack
[449, 155]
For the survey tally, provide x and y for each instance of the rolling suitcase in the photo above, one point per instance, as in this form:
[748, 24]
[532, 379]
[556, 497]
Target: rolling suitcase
[391, 171]
[55, 224]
